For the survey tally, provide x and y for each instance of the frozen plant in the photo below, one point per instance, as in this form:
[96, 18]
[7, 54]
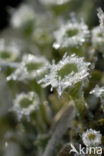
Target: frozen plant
[71, 34]
[101, 19]
[97, 39]
[31, 67]
[97, 91]
[69, 71]
[24, 104]
[9, 51]
[23, 18]
[57, 119]
[98, 32]
[91, 137]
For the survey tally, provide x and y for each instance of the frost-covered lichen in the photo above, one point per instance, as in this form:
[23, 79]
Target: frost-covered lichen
[101, 19]
[98, 32]
[69, 71]
[97, 39]
[24, 104]
[9, 51]
[30, 68]
[24, 18]
[91, 137]
[97, 91]
[71, 115]
[71, 34]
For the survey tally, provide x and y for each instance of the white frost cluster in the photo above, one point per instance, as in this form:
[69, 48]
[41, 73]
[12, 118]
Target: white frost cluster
[30, 68]
[56, 80]
[54, 2]
[9, 51]
[101, 19]
[22, 16]
[97, 91]
[97, 39]
[24, 104]
[71, 34]
[91, 138]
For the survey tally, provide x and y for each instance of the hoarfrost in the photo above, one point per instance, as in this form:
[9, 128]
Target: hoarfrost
[30, 67]
[71, 34]
[57, 78]
[101, 19]
[97, 91]
[9, 51]
[91, 137]
[23, 15]
[24, 104]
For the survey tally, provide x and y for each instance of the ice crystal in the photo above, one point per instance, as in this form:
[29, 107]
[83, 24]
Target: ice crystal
[101, 19]
[97, 39]
[54, 2]
[24, 104]
[91, 137]
[71, 34]
[97, 91]
[9, 51]
[69, 71]
[24, 15]
[30, 68]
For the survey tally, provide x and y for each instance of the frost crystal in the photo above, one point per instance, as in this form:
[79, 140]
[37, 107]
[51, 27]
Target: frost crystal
[69, 71]
[24, 104]
[22, 16]
[97, 91]
[101, 19]
[91, 137]
[97, 39]
[71, 34]
[9, 51]
[54, 2]
[30, 67]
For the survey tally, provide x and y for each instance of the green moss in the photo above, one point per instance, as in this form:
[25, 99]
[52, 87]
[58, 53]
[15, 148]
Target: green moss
[5, 55]
[33, 66]
[25, 102]
[91, 136]
[72, 33]
[67, 69]
[100, 35]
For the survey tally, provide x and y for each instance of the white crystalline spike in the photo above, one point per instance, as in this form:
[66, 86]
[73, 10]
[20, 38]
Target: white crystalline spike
[55, 80]
[101, 19]
[97, 91]
[51, 89]
[56, 46]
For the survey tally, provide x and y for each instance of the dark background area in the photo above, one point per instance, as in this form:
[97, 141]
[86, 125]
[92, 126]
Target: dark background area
[5, 4]
[4, 15]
